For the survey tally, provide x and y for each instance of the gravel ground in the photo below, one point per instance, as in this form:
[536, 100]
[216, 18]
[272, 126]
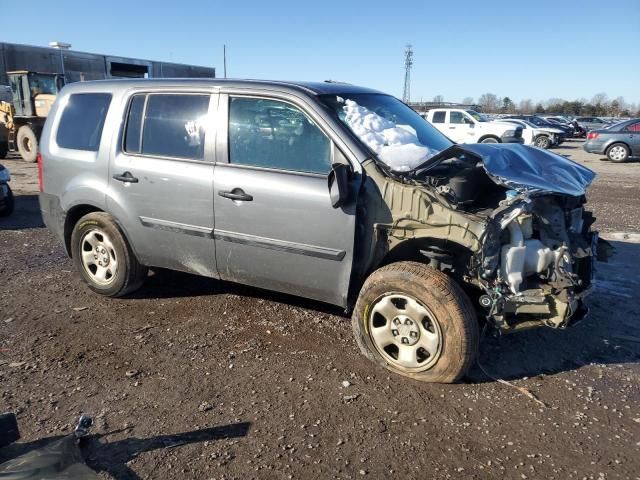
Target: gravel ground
[192, 378]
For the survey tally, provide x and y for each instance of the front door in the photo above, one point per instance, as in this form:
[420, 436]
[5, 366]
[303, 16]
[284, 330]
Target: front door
[161, 180]
[460, 130]
[275, 227]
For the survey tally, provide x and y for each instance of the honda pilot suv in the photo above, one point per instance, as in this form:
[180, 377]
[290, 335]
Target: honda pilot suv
[326, 191]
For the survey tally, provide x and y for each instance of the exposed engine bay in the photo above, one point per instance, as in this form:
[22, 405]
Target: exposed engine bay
[535, 264]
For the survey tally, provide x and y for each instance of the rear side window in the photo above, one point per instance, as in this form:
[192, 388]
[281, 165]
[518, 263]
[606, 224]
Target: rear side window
[438, 117]
[634, 127]
[167, 125]
[82, 121]
[133, 134]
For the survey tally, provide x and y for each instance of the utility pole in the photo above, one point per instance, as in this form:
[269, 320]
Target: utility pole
[224, 60]
[408, 64]
[61, 46]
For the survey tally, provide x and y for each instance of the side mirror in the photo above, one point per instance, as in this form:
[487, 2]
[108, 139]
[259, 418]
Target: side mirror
[339, 184]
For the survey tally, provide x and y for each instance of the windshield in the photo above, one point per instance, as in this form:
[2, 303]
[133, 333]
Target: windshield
[477, 116]
[398, 136]
[42, 84]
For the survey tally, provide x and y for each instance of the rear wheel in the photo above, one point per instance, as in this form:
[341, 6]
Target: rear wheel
[416, 321]
[490, 140]
[27, 144]
[103, 256]
[618, 152]
[542, 141]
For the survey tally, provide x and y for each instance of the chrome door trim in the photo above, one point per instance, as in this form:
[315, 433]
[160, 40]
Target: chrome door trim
[176, 227]
[280, 245]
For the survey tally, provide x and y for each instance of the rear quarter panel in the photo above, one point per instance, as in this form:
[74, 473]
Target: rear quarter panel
[77, 177]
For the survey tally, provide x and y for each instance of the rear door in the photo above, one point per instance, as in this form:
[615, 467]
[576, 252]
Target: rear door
[439, 120]
[633, 132]
[161, 179]
[275, 227]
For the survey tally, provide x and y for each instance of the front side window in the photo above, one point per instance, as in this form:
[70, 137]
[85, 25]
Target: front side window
[274, 134]
[82, 121]
[167, 125]
[456, 117]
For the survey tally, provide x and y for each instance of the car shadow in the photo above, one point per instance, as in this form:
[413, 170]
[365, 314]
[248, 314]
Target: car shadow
[112, 457]
[26, 214]
[610, 334]
[163, 283]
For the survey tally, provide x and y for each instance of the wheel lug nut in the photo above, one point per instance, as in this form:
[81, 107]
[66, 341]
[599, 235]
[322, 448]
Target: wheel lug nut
[405, 340]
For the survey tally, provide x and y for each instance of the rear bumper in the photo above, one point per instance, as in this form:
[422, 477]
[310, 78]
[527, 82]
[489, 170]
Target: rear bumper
[593, 147]
[52, 214]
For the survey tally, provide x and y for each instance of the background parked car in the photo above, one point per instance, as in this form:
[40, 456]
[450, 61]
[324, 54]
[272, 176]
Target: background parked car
[564, 122]
[469, 126]
[591, 123]
[6, 195]
[541, 137]
[618, 142]
[567, 132]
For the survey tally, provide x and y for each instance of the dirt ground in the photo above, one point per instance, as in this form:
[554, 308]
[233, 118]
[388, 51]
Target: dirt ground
[193, 378]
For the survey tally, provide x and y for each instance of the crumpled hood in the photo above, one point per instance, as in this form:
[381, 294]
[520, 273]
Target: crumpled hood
[525, 169]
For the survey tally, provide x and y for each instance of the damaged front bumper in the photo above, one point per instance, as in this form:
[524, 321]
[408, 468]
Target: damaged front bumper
[539, 265]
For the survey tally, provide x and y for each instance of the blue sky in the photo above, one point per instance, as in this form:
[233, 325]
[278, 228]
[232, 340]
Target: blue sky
[537, 50]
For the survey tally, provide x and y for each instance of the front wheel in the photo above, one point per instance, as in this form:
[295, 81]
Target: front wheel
[490, 140]
[103, 256]
[417, 322]
[542, 141]
[27, 144]
[618, 152]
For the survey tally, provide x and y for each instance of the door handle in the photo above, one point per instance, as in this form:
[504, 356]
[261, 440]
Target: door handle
[126, 177]
[236, 194]
[451, 128]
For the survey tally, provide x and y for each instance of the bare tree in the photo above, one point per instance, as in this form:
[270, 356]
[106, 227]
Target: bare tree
[438, 99]
[489, 102]
[526, 106]
[467, 100]
[600, 99]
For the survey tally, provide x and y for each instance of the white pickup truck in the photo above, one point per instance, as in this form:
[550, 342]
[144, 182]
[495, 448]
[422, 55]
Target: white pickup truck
[468, 126]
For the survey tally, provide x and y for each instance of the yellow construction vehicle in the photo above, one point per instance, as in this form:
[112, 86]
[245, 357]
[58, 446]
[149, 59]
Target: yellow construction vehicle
[32, 95]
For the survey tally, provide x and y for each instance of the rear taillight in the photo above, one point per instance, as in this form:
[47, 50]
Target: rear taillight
[592, 135]
[40, 169]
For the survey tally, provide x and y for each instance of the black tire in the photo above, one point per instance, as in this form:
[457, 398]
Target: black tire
[618, 152]
[128, 275]
[27, 144]
[4, 149]
[490, 139]
[459, 333]
[9, 203]
[542, 141]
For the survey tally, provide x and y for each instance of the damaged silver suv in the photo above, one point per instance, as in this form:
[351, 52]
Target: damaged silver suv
[323, 190]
